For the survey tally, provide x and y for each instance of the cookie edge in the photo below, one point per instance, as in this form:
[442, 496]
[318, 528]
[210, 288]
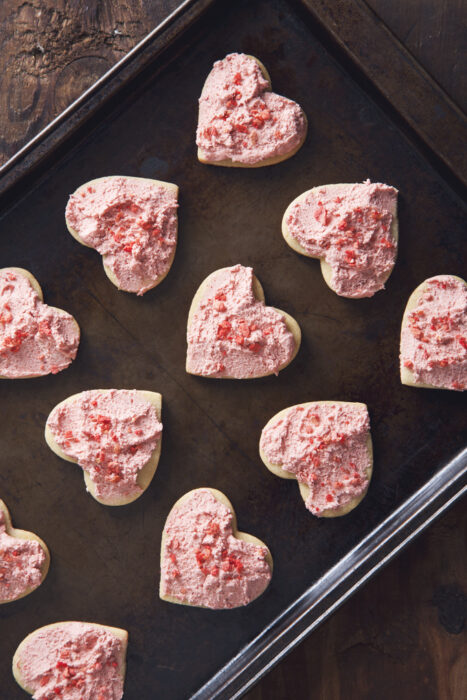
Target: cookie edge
[146, 473]
[303, 488]
[246, 537]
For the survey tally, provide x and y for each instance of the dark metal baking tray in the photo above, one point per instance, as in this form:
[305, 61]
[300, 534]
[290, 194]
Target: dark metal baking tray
[140, 120]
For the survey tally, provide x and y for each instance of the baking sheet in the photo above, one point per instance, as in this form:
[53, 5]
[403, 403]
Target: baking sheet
[105, 562]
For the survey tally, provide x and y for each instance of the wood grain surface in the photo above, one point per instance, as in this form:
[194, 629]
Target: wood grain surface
[52, 50]
[403, 636]
[434, 31]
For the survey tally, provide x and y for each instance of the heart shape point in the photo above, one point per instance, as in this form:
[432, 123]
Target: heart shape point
[205, 561]
[132, 223]
[352, 229]
[326, 446]
[241, 122]
[232, 334]
[72, 660]
[433, 351]
[35, 339]
[24, 560]
[114, 435]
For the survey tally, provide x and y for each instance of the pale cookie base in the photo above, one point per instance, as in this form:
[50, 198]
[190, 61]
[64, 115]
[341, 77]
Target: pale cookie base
[258, 292]
[304, 489]
[37, 288]
[407, 376]
[236, 533]
[116, 631]
[25, 535]
[228, 163]
[150, 284]
[145, 475]
[326, 269]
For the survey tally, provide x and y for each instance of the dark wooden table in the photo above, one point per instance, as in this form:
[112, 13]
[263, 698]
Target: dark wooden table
[403, 636]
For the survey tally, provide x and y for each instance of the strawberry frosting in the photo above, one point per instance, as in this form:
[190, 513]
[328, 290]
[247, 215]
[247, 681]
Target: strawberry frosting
[203, 563]
[434, 334]
[35, 339]
[111, 434]
[21, 564]
[325, 445]
[73, 661]
[241, 120]
[349, 226]
[132, 222]
[233, 334]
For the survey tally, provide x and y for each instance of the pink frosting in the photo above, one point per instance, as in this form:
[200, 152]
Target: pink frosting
[241, 120]
[132, 222]
[326, 447]
[350, 227]
[73, 661]
[111, 434]
[35, 339]
[232, 334]
[21, 562]
[203, 563]
[434, 336]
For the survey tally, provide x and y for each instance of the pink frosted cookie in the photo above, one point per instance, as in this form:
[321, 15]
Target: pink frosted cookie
[132, 223]
[114, 435]
[241, 122]
[35, 339]
[433, 351]
[72, 661]
[326, 447]
[352, 229]
[232, 334]
[24, 560]
[205, 560]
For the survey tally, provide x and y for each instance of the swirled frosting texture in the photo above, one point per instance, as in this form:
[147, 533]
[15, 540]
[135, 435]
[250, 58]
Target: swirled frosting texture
[111, 434]
[233, 334]
[241, 120]
[349, 226]
[35, 339]
[203, 563]
[73, 661]
[325, 445]
[132, 222]
[21, 564]
[434, 334]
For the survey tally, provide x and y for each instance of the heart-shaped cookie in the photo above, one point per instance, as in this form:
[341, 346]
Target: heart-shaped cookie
[352, 229]
[24, 560]
[433, 352]
[115, 435]
[205, 560]
[35, 339]
[132, 223]
[73, 661]
[241, 122]
[326, 446]
[232, 334]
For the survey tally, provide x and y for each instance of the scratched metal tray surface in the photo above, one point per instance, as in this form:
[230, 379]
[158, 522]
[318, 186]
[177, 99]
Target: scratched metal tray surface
[105, 561]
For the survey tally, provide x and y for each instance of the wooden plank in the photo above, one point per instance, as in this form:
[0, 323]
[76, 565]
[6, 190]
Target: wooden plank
[53, 50]
[434, 32]
[400, 79]
[402, 636]
[74, 116]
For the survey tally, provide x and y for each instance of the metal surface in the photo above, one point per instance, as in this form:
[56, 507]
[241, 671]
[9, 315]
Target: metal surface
[105, 562]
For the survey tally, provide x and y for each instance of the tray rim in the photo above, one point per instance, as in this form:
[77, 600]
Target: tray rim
[447, 485]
